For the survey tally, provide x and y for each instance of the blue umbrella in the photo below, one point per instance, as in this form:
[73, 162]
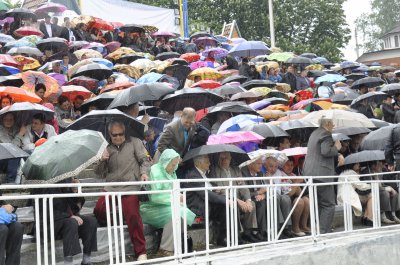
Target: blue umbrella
[19, 43]
[240, 121]
[250, 49]
[218, 52]
[349, 65]
[331, 78]
[4, 38]
[157, 124]
[103, 62]
[149, 78]
[6, 70]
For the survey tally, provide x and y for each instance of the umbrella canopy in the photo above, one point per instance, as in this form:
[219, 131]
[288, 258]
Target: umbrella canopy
[265, 153]
[190, 57]
[54, 44]
[24, 111]
[101, 24]
[341, 118]
[19, 95]
[89, 53]
[205, 73]
[217, 53]
[149, 78]
[25, 50]
[129, 58]
[71, 92]
[11, 80]
[20, 43]
[227, 90]
[299, 129]
[235, 78]
[258, 83]
[180, 72]
[132, 28]
[364, 156]
[4, 38]
[250, 49]
[391, 89]
[280, 56]
[266, 130]
[230, 107]
[32, 78]
[101, 102]
[87, 82]
[355, 76]
[378, 139]
[163, 34]
[349, 65]
[98, 120]
[207, 84]
[345, 99]
[28, 63]
[167, 55]
[330, 78]
[380, 123]
[238, 122]
[28, 31]
[371, 97]
[143, 92]
[143, 64]
[367, 82]
[246, 94]
[6, 70]
[316, 73]
[72, 152]
[296, 151]
[350, 131]
[238, 155]
[94, 70]
[50, 7]
[301, 61]
[309, 55]
[21, 13]
[11, 151]
[116, 86]
[234, 138]
[200, 34]
[340, 137]
[206, 41]
[196, 98]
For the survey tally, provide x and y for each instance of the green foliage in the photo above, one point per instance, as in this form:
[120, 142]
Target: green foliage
[317, 26]
[12, 4]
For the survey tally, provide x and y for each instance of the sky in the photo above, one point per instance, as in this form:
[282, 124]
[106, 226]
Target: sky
[353, 9]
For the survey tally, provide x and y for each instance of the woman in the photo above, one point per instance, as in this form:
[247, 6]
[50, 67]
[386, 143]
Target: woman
[40, 90]
[157, 211]
[64, 113]
[273, 75]
[5, 101]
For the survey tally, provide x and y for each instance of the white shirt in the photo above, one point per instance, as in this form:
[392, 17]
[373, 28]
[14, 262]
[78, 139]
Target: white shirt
[49, 31]
[203, 175]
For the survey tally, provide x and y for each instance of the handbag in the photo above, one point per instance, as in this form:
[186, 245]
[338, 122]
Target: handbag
[144, 197]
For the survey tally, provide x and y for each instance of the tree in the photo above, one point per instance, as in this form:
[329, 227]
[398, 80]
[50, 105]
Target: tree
[12, 4]
[316, 26]
[383, 17]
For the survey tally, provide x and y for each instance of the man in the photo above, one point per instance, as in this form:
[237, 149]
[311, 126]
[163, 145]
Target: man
[320, 161]
[178, 134]
[65, 65]
[149, 136]
[77, 104]
[388, 109]
[66, 31]
[244, 69]
[392, 150]
[290, 78]
[37, 130]
[125, 160]
[302, 81]
[246, 207]
[57, 28]
[49, 30]
[196, 199]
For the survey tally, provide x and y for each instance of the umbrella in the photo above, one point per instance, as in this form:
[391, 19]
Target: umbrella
[355, 76]
[300, 129]
[71, 92]
[341, 118]
[114, 45]
[230, 107]
[344, 99]
[11, 80]
[167, 55]
[200, 34]
[227, 90]
[6, 70]
[98, 120]
[218, 53]
[19, 95]
[365, 156]
[207, 84]
[102, 61]
[101, 24]
[88, 52]
[196, 98]
[82, 19]
[312, 104]
[323, 61]
[28, 31]
[150, 110]
[24, 111]
[378, 139]
[32, 78]
[20, 43]
[59, 77]
[149, 78]
[94, 70]
[50, 8]
[380, 123]
[249, 49]
[280, 56]
[180, 72]
[129, 58]
[132, 28]
[340, 137]
[163, 34]
[258, 83]
[54, 44]
[330, 78]
[72, 152]
[26, 50]
[234, 138]
[246, 94]
[235, 78]
[143, 64]
[266, 130]
[116, 86]
[349, 65]
[157, 124]
[190, 57]
[77, 44]
[28, 63]
[309, 55]
[316, 73]
[350, 131]
[4, 38]
[371, 97]
[11, 151]
[201, 64]
[301, 61]
[143, 92]
[128, 70]
[101, 102]
[296, 151]
[391, 89]
[87, 82]
[205, 73]
[367, 82]
[237, 123]
[238, 155]
[21, 13]
[265, 153]
[206, 41]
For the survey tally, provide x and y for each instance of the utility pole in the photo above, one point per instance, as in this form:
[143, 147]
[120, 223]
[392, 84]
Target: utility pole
[271, 23]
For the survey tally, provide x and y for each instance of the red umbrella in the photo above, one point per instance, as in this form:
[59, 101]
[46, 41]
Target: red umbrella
[28, 31]
[163, 34]
[87, 82]
[117, 24]
[8, 60]
[200, 114]
[71, 92]
[207, 84]
[117, 86]
[98, 23]
[19, 95]
[190, 57]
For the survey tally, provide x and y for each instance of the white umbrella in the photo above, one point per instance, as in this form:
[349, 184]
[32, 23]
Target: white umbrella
[341, 118]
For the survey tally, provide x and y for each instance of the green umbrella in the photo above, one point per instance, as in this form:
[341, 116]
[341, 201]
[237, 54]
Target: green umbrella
[4, 6]
[280, 56]
[64, 156]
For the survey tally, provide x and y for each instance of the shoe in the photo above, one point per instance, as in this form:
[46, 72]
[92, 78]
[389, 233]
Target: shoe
[142, 257]
[222, 242]
[385, 220]
[367, 222]
[298, 234]
[249, 237]
[164, 253]
[396, 220]
[261, 237]
[287, 233]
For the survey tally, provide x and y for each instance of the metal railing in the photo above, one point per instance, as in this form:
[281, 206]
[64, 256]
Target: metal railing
[115, 224]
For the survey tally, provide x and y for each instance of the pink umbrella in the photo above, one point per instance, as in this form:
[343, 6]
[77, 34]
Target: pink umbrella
[295, 151]
[112, 46]
[59, 77]
[50, 7]
[163, 34]
[235, 138]
[200, 64]
[93, 45]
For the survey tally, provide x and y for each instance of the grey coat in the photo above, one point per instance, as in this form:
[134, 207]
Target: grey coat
[321, 154]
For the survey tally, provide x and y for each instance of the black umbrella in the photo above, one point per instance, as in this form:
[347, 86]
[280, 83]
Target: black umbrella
[179, 61]
[275, 101]
[350, 131]
[129, 57]
[391, 89]
[340, 137]
[235, 78]
[309, 55]
[316, 73]
[11, 81]
[98, 120]
[300, 129]
[355, 76]
[258, 83]
[230, 107]
[238, 155]
[227, 90]
[302, 61]
[21, 13]
[167, 55]
[143, 92]
[156, 123]
[101, 102]
[376, 97]
[94, 70]
[11, 151]
[343, 98]
[150, 110]
[367, 82]
[380, 123]
[365, 156]
[132, 28]
[180, 72]
[378, 139]
[200, 34]
[24, 111]
[53, 44]
[196, 98]
[266, 130]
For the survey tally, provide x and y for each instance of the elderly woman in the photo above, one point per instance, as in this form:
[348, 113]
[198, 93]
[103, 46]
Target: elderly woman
[157, 211]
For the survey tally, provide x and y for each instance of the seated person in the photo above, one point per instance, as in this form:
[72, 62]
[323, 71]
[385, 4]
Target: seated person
[64, 113]
[11, 234]
[38, 129]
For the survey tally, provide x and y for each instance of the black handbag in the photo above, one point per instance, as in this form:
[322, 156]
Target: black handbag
[144, 197]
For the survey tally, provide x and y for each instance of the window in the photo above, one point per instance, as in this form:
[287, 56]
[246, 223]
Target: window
[396, 41]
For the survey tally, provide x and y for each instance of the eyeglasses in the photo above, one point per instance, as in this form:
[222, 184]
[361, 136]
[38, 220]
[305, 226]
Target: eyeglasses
[117, 134]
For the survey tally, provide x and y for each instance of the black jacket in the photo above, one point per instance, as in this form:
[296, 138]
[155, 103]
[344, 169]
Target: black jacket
[43, 29]
[290, 79]
[392, 150]
[388, 112]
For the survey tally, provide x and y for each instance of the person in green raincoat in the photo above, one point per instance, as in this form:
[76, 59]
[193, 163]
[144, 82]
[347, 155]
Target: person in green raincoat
[157, 211]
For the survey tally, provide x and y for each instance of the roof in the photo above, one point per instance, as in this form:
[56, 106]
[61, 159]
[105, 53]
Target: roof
[396, 29]
[379, 55]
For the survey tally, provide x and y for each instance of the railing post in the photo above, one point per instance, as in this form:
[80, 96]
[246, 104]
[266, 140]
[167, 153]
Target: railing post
[109, 229]
[38, 235]
[313, 206]
[176, 217]
[52, 240]
[376, 209]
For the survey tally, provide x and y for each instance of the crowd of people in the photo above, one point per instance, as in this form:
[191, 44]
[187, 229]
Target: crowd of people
[188, 93]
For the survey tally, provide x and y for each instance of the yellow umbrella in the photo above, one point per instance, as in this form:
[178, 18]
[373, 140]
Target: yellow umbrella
[283, 87]
[129, 70]
[339, 106]
[88, 52]
[28, 63]
[32, 78]
[72, 70]
[118, 53]
[82, 19]
[161, 65]
[205, 73]
[262, 90]
[271, 114]
[144, 65]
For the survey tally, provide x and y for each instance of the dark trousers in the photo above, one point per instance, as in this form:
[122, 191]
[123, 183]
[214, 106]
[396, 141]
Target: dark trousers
[217, 213]
[10, 166]
[130, 210]
[69, 231]
[326, 207]
[10, 243]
